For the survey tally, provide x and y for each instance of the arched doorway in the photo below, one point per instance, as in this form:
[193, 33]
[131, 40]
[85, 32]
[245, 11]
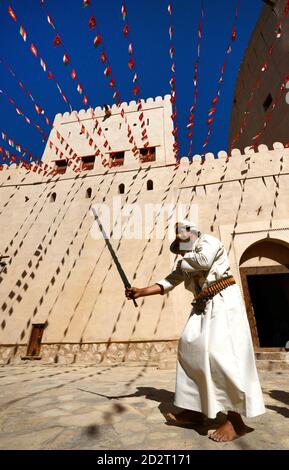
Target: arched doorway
[264, 270]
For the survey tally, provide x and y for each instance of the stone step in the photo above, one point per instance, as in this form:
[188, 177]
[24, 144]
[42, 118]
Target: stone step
[270, 355]
[263, 364]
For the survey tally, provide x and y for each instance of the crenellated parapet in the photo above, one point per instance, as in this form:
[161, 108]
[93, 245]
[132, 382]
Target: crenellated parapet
[131, 107]
[220, 167]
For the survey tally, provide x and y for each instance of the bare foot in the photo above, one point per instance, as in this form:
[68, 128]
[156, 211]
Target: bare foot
[224, 433]
[185, 417]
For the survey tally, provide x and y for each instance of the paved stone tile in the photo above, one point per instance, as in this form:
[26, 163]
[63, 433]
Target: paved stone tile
[114, 408]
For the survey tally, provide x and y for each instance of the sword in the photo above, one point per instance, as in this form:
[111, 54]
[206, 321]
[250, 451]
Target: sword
[113, 255]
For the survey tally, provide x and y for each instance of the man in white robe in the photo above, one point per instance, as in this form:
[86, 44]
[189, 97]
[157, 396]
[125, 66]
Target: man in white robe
[216, 369]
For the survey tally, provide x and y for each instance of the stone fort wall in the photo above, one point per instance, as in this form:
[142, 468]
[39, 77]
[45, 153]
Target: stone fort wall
[57, 273]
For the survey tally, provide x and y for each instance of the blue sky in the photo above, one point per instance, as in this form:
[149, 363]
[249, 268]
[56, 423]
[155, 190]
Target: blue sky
[149, 23]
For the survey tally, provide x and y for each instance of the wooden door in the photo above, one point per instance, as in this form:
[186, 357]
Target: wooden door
[244, 272]
[34, 344]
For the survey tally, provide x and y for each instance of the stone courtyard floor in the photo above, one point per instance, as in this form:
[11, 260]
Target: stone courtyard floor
[118, 407]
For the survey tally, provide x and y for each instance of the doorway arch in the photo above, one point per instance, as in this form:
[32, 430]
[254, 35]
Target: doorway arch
[264, 272]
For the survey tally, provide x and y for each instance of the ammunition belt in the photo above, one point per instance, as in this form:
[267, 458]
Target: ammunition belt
[214, 289]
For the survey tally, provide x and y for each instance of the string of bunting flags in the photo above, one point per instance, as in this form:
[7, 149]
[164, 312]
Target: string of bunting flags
[191, 118]
[262, 72]
[19, 112]
[74, 76]
[96, 137]
[30, 163]
[268, 116]
[39, 110]
[132, 67]
[215, 100]
[34, 51]
[74, 159]
[108, 73]
[17, 147]
[172, 82]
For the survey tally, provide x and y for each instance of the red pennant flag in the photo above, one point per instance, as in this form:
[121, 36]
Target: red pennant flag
[171, 32]
[131, 63]
[125, 30]
[49, 19]
[33, 49]
[92, 22]
[111, 83]
[214, 100]
[173, 98]
[23, 33]
[211, 111]
[97, 40]
[57, 41]
[12, 14]
[107, 71]
[73, 74]
[257, 136]
[50, 75]
[234, 35]
[103, 57]
[136, 90]
[209, 121]
[38, 109]
[65, 59]
[123, 12]
[85, 100]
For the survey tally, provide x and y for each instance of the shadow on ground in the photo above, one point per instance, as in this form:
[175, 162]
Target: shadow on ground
[283, 397]
[165, 399]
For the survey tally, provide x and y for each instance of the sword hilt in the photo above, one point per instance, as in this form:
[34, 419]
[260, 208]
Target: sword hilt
[133, 299]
